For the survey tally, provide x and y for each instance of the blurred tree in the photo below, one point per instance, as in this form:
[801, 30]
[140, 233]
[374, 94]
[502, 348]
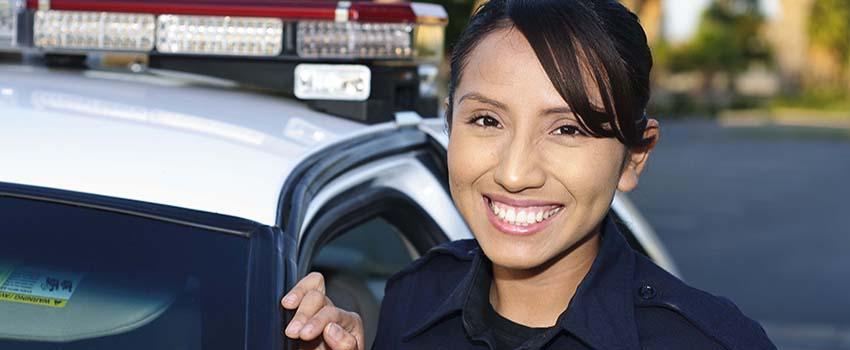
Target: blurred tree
[830, 30]
[650, 13]
[459, 12]
[727, 41]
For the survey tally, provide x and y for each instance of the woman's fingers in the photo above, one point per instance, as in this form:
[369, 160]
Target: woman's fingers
[337, 338]
[302, 323]
[317, 321]
[313, 281]
[349, 321]
[340, 329]
[352, 324]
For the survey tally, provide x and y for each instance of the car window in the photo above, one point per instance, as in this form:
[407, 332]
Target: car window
[372, 251]
[81, 278]
[357, 265]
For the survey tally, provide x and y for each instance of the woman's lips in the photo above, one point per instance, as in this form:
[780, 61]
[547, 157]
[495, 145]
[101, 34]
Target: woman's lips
[520, 221]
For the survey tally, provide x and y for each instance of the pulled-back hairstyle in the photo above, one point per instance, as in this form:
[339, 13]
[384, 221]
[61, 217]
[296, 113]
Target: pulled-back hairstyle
[575, 41]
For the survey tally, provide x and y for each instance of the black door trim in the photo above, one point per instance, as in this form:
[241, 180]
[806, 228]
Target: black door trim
[181, 216]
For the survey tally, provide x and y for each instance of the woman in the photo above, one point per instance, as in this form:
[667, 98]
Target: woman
[546, 122]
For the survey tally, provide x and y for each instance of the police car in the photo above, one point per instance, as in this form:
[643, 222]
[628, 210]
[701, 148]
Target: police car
[170, 205]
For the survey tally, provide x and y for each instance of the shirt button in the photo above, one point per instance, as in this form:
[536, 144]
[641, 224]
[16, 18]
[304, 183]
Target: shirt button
[647, 292]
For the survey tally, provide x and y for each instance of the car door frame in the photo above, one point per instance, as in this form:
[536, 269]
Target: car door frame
[398, 158]
[394, 169]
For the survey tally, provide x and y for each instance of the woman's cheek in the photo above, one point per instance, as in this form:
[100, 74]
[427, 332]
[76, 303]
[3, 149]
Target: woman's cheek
[469, 160]
[588, 172]
[460, 153]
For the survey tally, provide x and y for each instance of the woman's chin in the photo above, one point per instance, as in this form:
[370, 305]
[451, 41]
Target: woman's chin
[515, 258]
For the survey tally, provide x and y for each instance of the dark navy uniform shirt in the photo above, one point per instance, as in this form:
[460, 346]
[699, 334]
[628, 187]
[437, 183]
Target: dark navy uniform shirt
[624, 302]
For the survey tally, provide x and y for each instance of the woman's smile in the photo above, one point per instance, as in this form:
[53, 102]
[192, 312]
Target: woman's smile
[520, 217]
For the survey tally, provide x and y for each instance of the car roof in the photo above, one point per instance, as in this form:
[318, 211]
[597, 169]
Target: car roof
[172, 140]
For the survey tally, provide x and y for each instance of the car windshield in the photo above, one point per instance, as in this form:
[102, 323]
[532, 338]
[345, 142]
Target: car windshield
[81, 278]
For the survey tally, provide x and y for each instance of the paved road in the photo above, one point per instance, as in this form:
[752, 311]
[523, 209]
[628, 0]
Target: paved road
[760, 215]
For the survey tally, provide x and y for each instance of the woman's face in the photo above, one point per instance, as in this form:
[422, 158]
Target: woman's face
[529, 182]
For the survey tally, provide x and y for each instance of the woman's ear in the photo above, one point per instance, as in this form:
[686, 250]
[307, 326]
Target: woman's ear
[447, 118]
[637, 157]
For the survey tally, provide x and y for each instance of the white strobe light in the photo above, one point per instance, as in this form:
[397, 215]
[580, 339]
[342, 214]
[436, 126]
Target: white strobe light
[82, 30]
[219, 35]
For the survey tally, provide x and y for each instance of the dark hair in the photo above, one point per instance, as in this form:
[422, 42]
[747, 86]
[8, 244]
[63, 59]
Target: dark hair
[575, 40]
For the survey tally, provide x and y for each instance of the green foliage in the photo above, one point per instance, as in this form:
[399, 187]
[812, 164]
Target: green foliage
[829, 27]
[815, 99]
[728, 39]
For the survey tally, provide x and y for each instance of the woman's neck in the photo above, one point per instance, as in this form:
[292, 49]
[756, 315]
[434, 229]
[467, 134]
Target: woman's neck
[536, 297]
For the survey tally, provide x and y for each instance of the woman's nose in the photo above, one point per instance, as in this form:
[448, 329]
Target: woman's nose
[519, 167]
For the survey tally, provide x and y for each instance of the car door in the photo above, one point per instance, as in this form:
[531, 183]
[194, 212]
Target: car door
[365, 208]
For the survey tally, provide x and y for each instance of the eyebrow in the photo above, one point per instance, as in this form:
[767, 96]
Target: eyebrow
[486, 100]
[558, 110]
[483, 99]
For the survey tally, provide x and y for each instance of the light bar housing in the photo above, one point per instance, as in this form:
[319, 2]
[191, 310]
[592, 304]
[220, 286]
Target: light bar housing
[260, 43]
[295, 29]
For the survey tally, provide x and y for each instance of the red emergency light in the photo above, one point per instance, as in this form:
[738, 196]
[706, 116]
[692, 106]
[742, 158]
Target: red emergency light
[286, 9]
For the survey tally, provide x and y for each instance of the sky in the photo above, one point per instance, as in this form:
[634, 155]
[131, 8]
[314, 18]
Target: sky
[682, 16]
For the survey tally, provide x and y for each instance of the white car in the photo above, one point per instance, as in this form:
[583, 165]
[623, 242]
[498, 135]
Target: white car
[157, 210]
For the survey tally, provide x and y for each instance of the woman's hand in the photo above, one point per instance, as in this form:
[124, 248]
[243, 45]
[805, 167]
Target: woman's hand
[317, 322]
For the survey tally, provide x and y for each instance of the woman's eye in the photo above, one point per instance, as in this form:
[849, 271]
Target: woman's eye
[486, 121]
[568, 130]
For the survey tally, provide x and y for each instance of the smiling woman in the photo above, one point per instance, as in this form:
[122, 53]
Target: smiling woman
[546, 123]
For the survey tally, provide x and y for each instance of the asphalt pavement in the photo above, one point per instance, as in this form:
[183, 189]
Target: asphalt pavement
[760, 215]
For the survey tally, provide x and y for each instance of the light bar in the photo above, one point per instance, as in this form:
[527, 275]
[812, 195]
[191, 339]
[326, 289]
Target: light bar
[346, 82]
[329, 39]
[219, 35]
[84, 30]
[253, 28]
[7, 23]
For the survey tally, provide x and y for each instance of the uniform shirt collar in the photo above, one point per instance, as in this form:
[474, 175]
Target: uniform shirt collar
[600, 314]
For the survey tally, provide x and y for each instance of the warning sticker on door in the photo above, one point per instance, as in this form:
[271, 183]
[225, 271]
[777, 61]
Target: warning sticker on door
[37, 286]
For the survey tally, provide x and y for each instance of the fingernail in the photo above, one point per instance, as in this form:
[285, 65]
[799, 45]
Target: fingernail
[289, 299]
[307, 329]
[335, 331]
[293, 327]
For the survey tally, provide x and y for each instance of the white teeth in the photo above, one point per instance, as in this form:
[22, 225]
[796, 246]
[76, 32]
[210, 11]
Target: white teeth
[531, 218]
[520, 217]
